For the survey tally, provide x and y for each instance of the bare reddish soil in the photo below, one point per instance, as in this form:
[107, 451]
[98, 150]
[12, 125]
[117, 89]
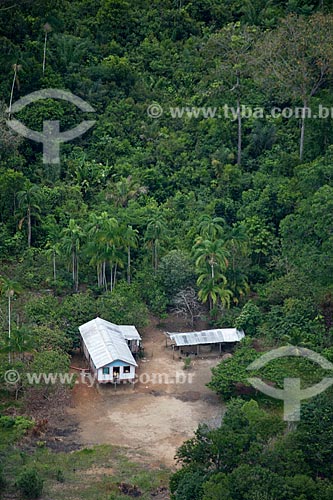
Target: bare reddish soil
[157, 414]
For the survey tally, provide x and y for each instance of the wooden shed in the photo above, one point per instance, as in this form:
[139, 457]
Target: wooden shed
[191, 342]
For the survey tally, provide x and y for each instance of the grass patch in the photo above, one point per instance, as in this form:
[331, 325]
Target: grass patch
[88, 474]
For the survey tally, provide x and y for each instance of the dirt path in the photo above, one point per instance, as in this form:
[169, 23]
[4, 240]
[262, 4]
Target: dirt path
[156, 416]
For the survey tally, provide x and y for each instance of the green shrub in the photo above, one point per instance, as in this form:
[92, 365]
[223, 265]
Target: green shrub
[152, 292]
[42, 310]
[123, 306]
[232, 371]
[50, 362]
[54, 339]
[7, 422]
[22, 425]
[175, 273]
[2, 481]
[187, 363]
[30, 483]
[17, 425]
[230, 377]
[297, 322]
[74, 311]
[249, 319]
[60, 476]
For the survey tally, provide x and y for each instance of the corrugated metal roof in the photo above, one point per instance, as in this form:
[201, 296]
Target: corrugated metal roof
[105, 343]
[130, 332]
[207, 336]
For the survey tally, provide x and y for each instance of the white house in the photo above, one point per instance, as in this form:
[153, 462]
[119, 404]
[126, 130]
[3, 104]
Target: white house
[109, 349]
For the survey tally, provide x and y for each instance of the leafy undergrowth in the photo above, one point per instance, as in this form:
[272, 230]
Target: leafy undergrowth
[97, 473]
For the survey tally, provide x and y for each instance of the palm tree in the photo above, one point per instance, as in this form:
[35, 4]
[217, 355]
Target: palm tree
[96, 247]
[16, 68]
[124, 190]
[129, 238]
[47, 29]
[28, 199]
[237, 244]
[214, 292]
[212, 254]
[69, 52]
[9, 288]
[225, 295]
[21, 341]
[52, 250]
[238, 283]
[236, 241]
[71, 244]
[211, 260]
[115, 261]
[211, 228]
[155, 233]
[105, 247]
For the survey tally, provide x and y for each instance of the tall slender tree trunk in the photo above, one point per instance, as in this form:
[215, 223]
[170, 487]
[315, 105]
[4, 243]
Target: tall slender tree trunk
[104, 280]
[73, 267]
[76, 273]
[155, 256]
[115, 275]
[29, 226]
[233, 256]
[98, 274]
[44, 54]
[129, 265]
[54, 267]
[12, 91]
[239, 124]
[9, 323]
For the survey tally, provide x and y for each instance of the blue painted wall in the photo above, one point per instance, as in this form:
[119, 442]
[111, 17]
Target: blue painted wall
[118, 363]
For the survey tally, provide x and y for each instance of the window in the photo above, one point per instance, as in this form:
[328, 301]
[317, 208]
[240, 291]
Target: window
[127, 369]
[106, 370]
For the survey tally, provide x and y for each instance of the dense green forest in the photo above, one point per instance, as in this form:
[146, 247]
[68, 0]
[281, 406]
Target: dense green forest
[187, 194]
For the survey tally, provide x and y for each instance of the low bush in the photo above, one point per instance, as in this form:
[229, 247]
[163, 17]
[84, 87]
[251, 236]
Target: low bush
[30, 483]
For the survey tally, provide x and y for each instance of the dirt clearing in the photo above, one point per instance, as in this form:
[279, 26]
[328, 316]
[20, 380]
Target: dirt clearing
[156, 416]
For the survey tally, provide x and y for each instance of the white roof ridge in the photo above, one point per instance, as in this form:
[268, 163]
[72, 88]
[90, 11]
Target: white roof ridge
[111, 340]
[102, 334]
